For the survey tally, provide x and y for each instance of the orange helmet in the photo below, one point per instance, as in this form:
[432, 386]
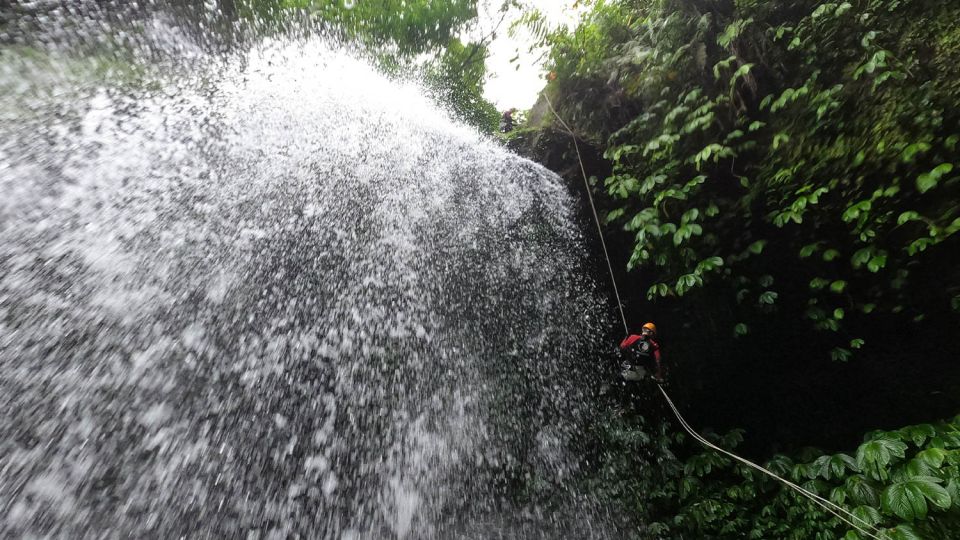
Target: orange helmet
[651, 327]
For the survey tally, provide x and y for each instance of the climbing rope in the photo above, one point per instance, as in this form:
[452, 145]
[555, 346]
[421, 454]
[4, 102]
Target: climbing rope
[864, 527]
[826, 504]
[593, 207]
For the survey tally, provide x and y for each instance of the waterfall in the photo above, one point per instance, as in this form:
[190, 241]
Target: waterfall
[272, 293]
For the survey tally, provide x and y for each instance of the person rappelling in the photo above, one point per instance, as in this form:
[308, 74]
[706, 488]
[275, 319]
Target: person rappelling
[506, 120]
[641, 353]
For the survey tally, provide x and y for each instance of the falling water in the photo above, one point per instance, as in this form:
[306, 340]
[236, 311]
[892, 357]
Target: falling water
[273, 294]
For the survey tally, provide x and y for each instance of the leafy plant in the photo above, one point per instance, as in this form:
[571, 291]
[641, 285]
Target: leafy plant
[776, 169]
[414, 39]
[807, 127]
[900, 484]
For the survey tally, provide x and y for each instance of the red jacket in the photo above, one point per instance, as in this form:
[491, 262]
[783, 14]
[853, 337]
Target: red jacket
[644, 346]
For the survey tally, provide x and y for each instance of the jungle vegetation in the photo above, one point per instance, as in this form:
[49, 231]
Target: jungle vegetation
[441, 43]
[781, 184]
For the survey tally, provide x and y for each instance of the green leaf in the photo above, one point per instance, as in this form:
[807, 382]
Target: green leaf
[859, 158]
[856, 343]
[838, 286]
[861, 491]
[740, 329]
[910, 153]
[874, 456]
[741, 72]
[908, 500]
[928, 181]
[904, 532]
[854, 211]
[919, 245]
[613, 215]
[919, 433]
[839, 354]
[780, 138]
[837, 465]
[951, 142]
[867, 514]
[838, 314]
[933, 457]
[916, 467]
[757, 247]
[686, 282]
[861, 257]
[808, 250]
[951, 439]
[903, 501]
[659, 289]
[819, 467]
[741, 294]
[768, 297]
[943, 168]
[877, 262]
[953, 488]
[733, 31]
[652, 292]
[830, 255]
[694, 182]
[712, 152]
[819, 283]
[909, 215]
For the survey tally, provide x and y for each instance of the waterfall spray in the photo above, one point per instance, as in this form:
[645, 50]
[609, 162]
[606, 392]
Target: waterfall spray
[276, 294]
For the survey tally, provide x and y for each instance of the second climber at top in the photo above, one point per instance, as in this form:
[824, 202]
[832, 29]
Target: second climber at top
[507, 122]
[641, 354]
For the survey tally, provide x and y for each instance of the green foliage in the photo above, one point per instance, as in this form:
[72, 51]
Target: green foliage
[904, 483]
[413, 39]
[811, 148]
[812, 141]
[404, 28]
[457, 77]
[873, 457]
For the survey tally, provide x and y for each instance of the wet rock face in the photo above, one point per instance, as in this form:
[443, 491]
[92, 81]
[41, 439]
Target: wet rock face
[278, 296]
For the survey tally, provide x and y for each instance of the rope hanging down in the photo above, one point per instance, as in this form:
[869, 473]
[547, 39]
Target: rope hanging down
[865, 528]
[593, 207]
[826, 504]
